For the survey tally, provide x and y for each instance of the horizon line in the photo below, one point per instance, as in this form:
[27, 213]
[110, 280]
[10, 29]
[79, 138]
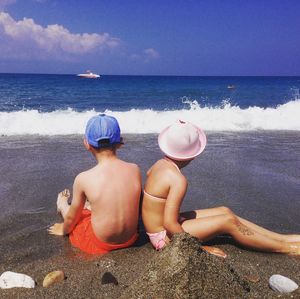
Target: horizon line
[134, 75]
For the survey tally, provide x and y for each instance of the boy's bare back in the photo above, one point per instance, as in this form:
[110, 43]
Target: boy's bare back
[113, 190]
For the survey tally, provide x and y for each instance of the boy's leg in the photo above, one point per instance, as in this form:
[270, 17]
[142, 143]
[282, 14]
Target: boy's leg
[203, 213]
[209, 227]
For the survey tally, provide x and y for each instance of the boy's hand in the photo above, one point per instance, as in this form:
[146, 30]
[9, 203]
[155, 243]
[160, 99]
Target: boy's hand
[57, 229]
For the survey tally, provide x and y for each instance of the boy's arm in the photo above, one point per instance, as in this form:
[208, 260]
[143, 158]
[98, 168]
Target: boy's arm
[76, 206]
[74, 212]
[172, 208]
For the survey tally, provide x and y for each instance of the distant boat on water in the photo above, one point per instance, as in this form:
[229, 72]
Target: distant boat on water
[89, 74]
[231, 87]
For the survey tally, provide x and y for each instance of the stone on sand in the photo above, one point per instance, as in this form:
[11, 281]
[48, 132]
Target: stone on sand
[282, 284]
[108, 278]
[53, 277]
[10, 280]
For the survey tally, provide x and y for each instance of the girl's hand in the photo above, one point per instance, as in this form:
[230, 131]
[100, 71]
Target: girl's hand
[214, 251]
[57, 229]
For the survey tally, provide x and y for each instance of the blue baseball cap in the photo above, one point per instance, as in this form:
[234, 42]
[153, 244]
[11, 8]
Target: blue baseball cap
[102, 127]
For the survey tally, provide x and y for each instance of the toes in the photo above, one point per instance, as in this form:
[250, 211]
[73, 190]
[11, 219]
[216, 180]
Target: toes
[66, 193]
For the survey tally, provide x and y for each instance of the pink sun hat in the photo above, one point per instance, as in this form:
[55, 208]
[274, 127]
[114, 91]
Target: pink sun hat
[182, 141]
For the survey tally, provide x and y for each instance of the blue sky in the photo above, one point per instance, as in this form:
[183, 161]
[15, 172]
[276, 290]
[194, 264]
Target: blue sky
[142, 37]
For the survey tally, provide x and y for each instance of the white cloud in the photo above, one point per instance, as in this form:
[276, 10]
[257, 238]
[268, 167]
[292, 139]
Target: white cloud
[53, 39]
[146, 56]
[151, 53]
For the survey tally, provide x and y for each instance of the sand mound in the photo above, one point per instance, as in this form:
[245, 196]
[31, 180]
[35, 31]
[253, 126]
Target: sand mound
[183, 270]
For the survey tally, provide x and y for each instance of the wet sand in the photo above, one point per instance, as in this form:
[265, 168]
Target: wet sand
[255, 174]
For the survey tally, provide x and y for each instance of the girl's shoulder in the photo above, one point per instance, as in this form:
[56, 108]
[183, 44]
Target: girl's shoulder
[164, 168]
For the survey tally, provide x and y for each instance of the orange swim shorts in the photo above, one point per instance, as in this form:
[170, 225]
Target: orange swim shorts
[84, 238]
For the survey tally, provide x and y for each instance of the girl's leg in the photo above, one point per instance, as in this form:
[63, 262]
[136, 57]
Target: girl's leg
[209, 227]
[225, 211]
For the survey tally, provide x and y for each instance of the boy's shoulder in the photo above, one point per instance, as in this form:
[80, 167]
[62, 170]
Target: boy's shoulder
[133, 168]
[91, 171]
[82, 175]
[133, 165]
[129, 164]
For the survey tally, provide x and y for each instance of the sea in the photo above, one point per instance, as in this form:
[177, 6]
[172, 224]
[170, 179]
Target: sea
[61, 104]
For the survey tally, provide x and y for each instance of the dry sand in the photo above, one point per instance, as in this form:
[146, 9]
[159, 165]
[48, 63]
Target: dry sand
[180, 271]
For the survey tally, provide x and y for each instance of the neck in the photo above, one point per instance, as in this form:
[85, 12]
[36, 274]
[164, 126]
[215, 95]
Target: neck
[105, 155]
[180, 164]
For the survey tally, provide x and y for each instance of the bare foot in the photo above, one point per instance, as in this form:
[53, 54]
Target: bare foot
[61, 198]
[292, 238]
[214, 251]
[294, 249]
[87, 205]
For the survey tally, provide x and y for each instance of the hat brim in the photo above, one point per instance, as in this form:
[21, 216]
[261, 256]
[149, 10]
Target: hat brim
[162, 142]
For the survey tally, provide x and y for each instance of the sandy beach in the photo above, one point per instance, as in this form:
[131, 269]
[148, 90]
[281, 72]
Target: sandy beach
[256, 174]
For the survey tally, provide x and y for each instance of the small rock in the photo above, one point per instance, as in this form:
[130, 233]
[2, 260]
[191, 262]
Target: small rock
[53, 277]
[10, 280]
[109, 278]
[253, 278]
[282, 284]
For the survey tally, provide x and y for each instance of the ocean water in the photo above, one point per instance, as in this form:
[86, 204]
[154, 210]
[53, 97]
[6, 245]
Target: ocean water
[62, 104]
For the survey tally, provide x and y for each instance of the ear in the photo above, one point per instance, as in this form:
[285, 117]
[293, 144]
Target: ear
[86, 145]
[121, 143]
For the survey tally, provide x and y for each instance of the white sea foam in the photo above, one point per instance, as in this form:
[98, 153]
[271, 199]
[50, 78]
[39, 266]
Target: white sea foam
[223, 118]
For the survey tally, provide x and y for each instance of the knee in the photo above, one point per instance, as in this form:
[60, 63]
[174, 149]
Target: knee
[231, 219]
[226, 210]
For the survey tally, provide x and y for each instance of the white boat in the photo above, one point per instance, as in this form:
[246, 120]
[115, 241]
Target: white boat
[89, 74]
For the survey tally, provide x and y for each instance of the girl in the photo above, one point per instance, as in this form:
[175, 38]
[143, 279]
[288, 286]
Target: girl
[165, 189]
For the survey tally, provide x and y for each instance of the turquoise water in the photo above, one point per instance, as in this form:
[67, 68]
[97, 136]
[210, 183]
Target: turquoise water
[52, 92]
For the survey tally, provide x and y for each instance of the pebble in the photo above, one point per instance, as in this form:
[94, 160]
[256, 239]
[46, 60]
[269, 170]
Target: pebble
[282, 284]
[53, 277]
[10, 280]
[109, 278]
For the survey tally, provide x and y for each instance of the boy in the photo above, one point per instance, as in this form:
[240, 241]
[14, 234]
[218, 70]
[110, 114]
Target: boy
[113, 189]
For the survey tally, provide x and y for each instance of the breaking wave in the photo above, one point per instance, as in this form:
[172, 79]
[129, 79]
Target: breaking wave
[226, 117]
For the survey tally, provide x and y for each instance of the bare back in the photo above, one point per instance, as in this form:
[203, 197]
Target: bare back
[165, 187]
[113, 189]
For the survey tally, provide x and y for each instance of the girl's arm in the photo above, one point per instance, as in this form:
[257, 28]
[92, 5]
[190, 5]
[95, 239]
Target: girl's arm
[172, 208]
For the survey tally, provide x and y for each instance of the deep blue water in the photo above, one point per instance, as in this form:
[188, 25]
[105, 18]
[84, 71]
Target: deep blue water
[47, 93]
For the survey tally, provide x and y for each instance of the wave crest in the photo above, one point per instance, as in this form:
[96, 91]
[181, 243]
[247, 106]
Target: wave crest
[136, 121]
